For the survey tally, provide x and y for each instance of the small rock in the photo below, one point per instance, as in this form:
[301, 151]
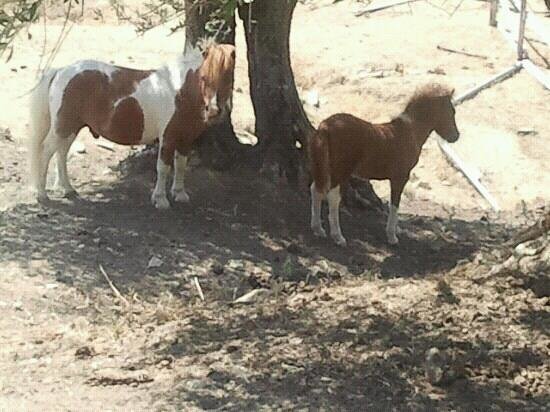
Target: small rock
[438, 70]
[236, 226]
[217, 268]
[520, 380]
[294, 248]
[312, 98]
[154, 262]
[526, 131]
[78, 147]
[424, 185]
[527, 249]
[85, 352]
[540, 287]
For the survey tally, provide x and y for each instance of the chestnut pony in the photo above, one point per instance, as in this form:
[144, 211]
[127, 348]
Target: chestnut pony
[174, 104]
[345, 145]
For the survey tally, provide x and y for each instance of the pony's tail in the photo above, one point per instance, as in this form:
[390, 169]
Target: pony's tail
[40, 122]
[319, 158]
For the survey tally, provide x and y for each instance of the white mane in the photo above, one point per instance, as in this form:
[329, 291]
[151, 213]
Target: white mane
[176, 71]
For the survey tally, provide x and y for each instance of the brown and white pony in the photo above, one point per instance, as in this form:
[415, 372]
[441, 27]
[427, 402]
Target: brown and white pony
[173, 104]
[345, 145]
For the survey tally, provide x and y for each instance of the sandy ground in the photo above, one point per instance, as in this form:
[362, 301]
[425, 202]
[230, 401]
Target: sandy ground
[339, 328]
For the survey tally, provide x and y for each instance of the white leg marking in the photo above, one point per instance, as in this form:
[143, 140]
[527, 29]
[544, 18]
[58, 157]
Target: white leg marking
[391, 226]
[334, 198]
[62, 183]
[316, 204]
[159, 199]
[178, 185]
[49, 147]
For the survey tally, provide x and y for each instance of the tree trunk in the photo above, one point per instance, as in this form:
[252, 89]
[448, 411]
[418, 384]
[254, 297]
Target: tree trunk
[218, 146]
[280, 117]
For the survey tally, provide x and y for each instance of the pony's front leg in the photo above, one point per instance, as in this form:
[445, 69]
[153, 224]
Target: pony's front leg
[397, 185]
[178, 185]
[159, 198]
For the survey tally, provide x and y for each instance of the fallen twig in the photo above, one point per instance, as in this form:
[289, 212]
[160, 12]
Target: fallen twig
[537, 52]
[479, 56]
[105, 146]
[379, 8]
[493, 80]
[198, 286]
[538, 73]
[472, 177]
[113, 287]
[541, 227]
[533, 22]
[251, 297]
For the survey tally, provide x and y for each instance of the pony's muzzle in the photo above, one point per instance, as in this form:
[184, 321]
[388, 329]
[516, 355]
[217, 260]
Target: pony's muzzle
[453, 138]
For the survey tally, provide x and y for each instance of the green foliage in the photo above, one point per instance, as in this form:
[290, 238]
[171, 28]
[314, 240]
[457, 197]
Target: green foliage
[162, 11]
[14, 16]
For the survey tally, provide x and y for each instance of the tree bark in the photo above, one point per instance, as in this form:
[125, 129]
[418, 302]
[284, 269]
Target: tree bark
[280, 117]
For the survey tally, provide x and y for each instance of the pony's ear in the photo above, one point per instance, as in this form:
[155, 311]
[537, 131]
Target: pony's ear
[205, 52]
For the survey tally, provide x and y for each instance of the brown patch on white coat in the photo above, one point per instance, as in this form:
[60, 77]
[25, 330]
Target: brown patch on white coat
[173, 104]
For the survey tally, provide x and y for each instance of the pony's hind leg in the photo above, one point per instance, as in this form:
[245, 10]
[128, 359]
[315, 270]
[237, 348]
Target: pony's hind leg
[164, 160]
[49, 147]
[316, 202]
[334, 198]
[62, 182]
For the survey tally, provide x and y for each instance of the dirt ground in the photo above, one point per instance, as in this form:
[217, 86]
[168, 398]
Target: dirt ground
[329, 328]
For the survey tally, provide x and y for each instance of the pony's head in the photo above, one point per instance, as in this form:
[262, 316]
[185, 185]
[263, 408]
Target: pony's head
[216, 75]
[433, 106]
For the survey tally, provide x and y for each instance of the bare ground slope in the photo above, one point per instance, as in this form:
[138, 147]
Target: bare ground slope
[337, 328]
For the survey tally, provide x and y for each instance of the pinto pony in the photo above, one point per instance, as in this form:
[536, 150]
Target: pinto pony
[345, 145]
[174, 104]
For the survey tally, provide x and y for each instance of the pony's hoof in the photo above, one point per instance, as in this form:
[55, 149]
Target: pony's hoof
[319, 231]
[180, 196]
[161, 202]
[68, 193]
[392, 239]
[339, 240]
[42, 197]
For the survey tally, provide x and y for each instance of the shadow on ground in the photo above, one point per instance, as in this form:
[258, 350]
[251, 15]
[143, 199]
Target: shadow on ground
[272, 360]
[232, 216]
[241, 232]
